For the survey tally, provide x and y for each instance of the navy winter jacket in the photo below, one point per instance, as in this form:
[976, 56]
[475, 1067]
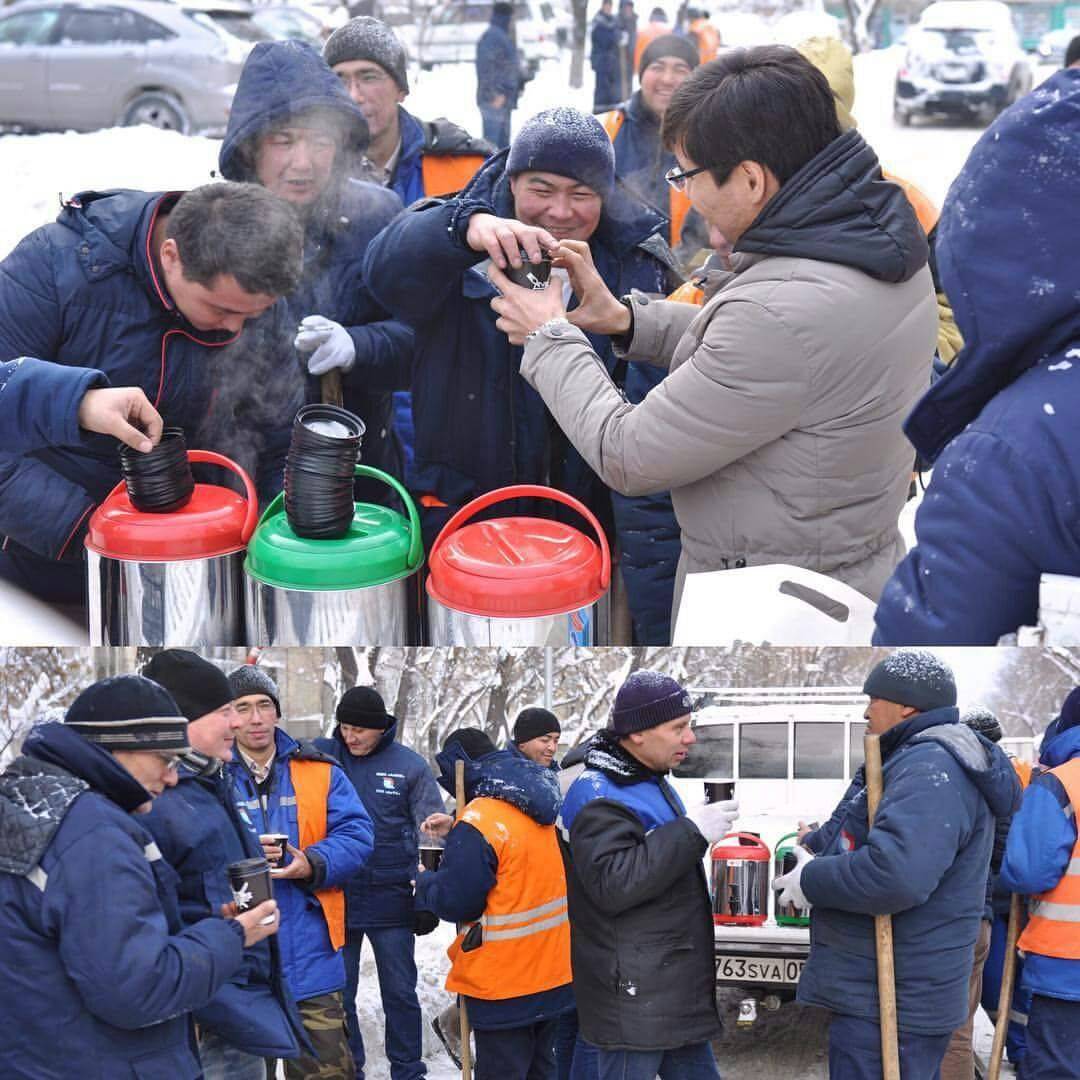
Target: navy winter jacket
[457, 891]
[280, 82]
[925, 862]
[98, 975]
[312, 966]
[83, 294]
[604, 57]
[398, 792]
[1001, 423]
[1039, 850]
[479, 426]
[498, 71]
[200, 832]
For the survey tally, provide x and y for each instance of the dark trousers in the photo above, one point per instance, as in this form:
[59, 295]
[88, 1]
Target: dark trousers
[395, 962]
[496, 125]
[1053, 1040]
[1016, 1036]
[695, 1062]
[855, 1051]
[521, 1053]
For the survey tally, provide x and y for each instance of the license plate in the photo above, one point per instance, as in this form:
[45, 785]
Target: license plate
[758, 970]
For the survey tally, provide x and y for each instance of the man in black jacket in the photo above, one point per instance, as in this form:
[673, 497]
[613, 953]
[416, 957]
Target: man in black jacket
[640, 917]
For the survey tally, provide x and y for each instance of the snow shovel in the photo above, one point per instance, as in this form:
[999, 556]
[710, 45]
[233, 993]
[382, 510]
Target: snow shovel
[1008, 976]
[886, 975]
[330, 385]
[463, 1012]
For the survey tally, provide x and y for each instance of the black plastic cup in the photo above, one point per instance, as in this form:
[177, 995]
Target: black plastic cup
[251, 884]
[319, 471]
[430, 857]
[279, 840]
[719, 790]
[530, 275]
[160, 481]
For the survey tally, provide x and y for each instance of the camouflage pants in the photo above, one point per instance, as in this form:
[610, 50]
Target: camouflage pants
[324, 1021]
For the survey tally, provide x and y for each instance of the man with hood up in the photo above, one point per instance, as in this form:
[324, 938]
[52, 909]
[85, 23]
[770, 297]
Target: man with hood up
[502, 878]
[294, 130]
[924, 862]
[398, 791]
[1000, 425]
[1042, 861]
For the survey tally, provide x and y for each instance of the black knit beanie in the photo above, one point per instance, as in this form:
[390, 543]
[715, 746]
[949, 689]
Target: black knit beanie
[568, 143]
[681, 48]
[912, 677]
[472, 740]
[979, 718]
[533, 722]
[646, 700]
[128, 712]
[248, 680]
[367, 38]
[363, 706]
[195, 684]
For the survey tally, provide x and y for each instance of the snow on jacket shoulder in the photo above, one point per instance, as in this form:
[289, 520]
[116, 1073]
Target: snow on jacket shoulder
[999, 423]
[398, 791]
[925, 862]
[778, 427]
[311, 963]
[89, 924]
[640, 916]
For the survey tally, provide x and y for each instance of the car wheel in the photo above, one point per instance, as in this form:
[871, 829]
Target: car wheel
[426, 67]
[158, 110]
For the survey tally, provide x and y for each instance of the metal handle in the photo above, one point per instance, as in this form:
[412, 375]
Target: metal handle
[209, 457]
[416, 543]
[529, 491]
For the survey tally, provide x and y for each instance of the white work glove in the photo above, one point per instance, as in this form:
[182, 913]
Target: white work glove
[789, 885]
[328, 343]
[714, 820]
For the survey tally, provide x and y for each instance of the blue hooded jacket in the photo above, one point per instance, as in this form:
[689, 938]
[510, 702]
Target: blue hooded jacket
[1040, 846]
[312, 966]
[199, 833]
[497, 67]
[98, 974]
[479, 426]
[83, 297]
[925, 862]
[457, 891]
[398, 791]
[1000, 425]
[280, 83]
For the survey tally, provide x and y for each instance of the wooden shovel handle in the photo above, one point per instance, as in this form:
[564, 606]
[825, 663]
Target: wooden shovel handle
[330, 385]
[1008, 976]
[463, 1012]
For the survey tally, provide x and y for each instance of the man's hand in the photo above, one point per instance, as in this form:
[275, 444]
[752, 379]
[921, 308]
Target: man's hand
[789, 886]
[597, 310]
[522, 310]
[299, 869]
[503, 238]
[714, 820]
[437, 825]
[252, 922]
[122, 411]
[498, 101]
[328, 343]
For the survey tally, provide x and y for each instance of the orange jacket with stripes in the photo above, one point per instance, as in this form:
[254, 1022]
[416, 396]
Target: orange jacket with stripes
[311, 784]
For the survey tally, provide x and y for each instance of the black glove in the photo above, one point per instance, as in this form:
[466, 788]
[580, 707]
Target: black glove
[424, 922]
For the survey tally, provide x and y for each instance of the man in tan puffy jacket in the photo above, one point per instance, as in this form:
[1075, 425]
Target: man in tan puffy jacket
[778, 426]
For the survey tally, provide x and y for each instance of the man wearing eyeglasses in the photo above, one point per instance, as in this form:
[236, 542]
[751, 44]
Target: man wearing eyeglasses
[200, 831]
[778, 426]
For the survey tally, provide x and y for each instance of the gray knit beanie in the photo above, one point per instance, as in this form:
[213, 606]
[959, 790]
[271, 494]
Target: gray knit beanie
[249, 679]
[367, 38]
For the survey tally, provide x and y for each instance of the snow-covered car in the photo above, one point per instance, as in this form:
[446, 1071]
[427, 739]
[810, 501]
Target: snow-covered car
[284, 22]
[94, 64]
[1052, 45]
[963, 58]
[451, 31]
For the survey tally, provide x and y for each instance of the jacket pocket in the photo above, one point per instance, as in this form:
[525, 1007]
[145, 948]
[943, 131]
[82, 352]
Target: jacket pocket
[175, 1063]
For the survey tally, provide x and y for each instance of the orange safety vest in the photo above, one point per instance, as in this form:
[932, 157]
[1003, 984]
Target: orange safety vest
[526, 933]
[1023, 770]
[708, 39]
[645, 36]
[1053, 928]
[678, 201]
[924, 208]
[447, 174]
[311, 784]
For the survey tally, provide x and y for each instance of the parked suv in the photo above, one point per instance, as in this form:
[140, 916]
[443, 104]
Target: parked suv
[91, 64]
[963, 58]
[450, 34]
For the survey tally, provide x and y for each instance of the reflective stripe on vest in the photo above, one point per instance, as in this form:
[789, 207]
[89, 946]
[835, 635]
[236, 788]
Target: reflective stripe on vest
[525, 943]
[447, 174]
[678, 201]
[1052, 927]
[311, 782]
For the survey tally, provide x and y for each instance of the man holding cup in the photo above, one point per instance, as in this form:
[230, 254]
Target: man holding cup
[399, 792]
[290, 788]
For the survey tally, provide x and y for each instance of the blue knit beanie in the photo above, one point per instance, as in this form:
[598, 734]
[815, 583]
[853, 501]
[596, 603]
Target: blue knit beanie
[646, 700]
[912, 677]
[568, 143]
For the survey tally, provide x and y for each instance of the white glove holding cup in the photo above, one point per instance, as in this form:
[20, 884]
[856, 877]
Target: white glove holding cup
[328, 343]
[714, 819]
[789, 885]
